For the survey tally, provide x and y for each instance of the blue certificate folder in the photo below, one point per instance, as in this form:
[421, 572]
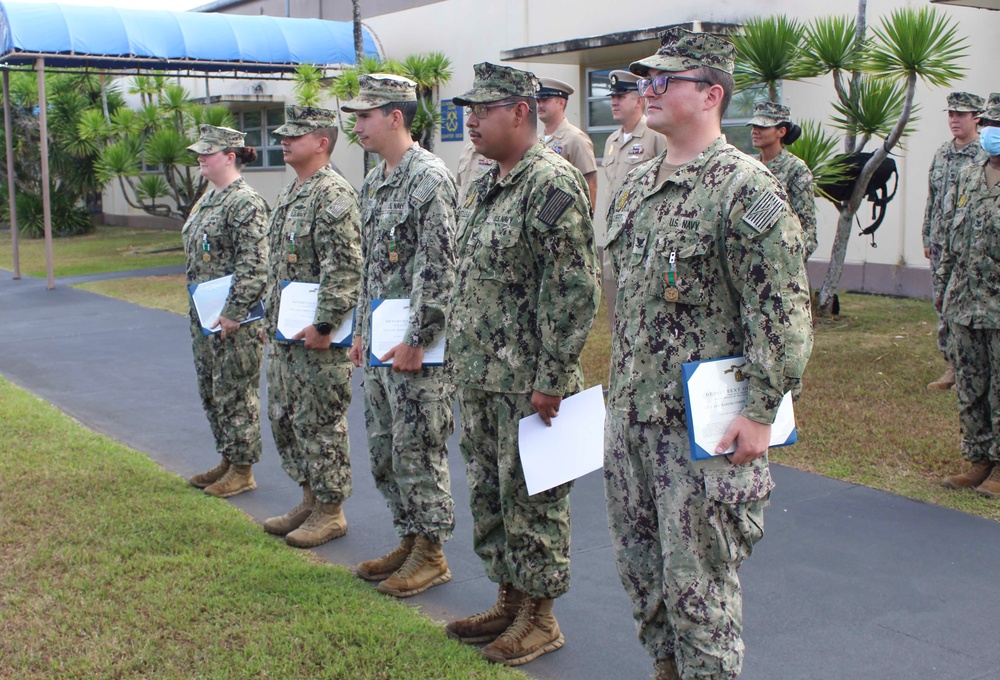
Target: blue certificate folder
[715, 392]
[390, 317]
[297, 309]
[209, 299]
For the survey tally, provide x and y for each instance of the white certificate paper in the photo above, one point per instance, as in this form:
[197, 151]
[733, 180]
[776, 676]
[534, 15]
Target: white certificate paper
[209, 299]
[571, 448]
[297, 309]
[390, 319]
[715, 392]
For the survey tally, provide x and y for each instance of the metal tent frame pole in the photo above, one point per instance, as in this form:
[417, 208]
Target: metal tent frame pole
[11, 189]
[46, 198]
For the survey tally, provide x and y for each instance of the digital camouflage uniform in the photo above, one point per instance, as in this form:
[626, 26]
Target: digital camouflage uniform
[948, 162]
[681, 528]
[525, 297]
[792, 172]
[309, 390]
[224, 234]
[970, 276]
[409, 416]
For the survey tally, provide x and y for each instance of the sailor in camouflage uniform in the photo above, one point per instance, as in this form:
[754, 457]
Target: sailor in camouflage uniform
[773, 130]
[949, 160]
[708, 260]
[525, 297]
[314, 237]
[224, 234]
[408, 243]
[969, 276]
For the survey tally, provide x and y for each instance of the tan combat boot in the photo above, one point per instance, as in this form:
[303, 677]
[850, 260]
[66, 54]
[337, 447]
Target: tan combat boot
[666, 669]
[488, 625]
[383, 567]
[325, 523]
[238, 478]
[534, 632]
[945, 382]
[970, 478]
[206, 479]
[424, 567]
[293, 519]
[991, 485]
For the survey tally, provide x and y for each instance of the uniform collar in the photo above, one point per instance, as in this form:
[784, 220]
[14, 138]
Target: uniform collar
[687, 175]
[401, 171]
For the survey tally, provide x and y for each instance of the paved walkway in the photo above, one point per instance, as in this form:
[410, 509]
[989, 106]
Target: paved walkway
[849, 583]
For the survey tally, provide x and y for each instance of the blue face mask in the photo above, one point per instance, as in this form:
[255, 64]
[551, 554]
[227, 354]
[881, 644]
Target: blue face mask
[989, 137]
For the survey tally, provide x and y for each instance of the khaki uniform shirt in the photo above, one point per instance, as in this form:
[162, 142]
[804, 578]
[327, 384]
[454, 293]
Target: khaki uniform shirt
[228, 227]
[470, 165]
[620, 156]
[528, 285]
[723, 230]
[948, 162]
[797, 181]
[574, 145]
[322, 215]
[410, 213]
[970, 259]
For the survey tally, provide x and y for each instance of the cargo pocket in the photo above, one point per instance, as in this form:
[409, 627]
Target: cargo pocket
[426, 389]
[737, 496]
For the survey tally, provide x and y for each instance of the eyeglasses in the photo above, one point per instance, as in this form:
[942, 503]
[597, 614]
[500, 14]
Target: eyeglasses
[660, 83]
[483, 110]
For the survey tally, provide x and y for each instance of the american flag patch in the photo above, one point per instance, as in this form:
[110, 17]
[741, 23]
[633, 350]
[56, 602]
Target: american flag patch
[555, 206]
[764, 212]
[339, 207]
[426, 187]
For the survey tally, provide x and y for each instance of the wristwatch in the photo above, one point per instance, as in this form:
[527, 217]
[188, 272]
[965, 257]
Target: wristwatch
[323, 328]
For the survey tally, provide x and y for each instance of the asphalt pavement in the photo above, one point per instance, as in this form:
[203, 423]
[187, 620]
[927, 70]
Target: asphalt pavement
[848, 583]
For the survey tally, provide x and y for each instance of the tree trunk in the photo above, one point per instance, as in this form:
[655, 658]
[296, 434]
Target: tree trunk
[359, 54]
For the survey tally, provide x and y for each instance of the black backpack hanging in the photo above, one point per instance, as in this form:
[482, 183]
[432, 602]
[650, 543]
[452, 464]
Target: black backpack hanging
[877, 191]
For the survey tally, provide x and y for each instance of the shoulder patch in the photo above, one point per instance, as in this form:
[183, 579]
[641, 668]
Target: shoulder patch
[339, 207]
[425, 189]
[764, 212]
[555, 205]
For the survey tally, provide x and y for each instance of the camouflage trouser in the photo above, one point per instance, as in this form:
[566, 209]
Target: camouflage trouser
[308, 392]
[977, 383]
[521, 539]
[938, 292]
[228, 373]
[680, 529]
[409, 417]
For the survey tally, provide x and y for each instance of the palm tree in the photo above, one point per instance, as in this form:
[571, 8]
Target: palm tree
[874, 83]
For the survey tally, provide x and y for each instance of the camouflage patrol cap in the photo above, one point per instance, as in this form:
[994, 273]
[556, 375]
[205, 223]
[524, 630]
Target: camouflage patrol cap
[623, 82]
[301, 120]
[214, 139]
[992, 111]
[964, 102]
[493, 83]
[379, 89]
[682, 50]
[769, 114]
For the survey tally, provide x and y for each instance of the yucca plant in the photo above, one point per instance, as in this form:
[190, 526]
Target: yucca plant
[874, 85]
[818, 150]
[769, 52]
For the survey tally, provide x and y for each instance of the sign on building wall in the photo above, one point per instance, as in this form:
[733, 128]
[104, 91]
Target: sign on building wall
[451, 122]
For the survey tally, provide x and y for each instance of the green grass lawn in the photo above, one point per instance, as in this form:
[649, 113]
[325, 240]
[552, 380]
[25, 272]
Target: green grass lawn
[108, 249]
[111, 567]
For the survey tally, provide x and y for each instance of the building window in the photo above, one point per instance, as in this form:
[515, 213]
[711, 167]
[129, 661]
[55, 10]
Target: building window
[260, 125]
[598, 118]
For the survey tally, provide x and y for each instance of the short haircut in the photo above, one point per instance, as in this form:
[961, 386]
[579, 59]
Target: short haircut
[330, 133]
[408, 109]
[716, 77]
[532, 108]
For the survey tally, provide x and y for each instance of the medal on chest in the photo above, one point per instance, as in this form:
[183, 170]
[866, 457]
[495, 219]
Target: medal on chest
[393, 255]
[206, 248]
[293, 257]
[670, 292]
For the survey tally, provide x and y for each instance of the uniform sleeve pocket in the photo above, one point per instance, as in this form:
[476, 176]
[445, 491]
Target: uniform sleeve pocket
[737, 496]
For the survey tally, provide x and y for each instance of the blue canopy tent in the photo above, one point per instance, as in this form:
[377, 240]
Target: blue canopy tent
[113, 40]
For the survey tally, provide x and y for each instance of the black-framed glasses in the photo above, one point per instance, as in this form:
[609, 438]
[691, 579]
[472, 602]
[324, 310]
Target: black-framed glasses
[483, 110]
[660, 83]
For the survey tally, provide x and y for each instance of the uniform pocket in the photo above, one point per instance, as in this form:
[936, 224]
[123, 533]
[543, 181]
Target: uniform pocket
[426, 389]
[498, 259]
[737, 496]
[680, 265]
